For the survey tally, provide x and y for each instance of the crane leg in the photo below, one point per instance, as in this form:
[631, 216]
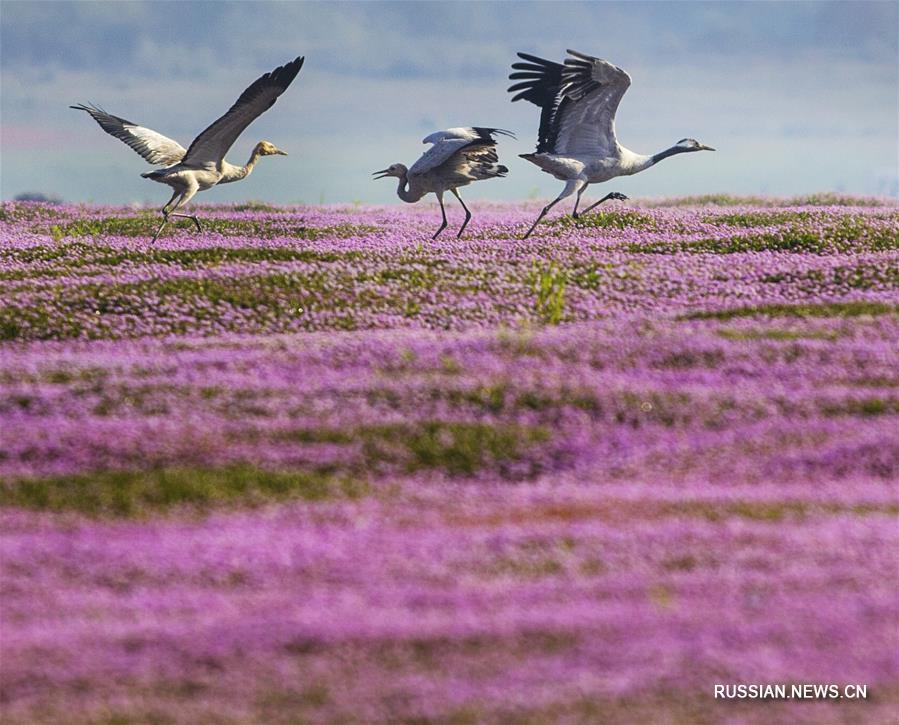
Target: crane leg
[467, 213]
[190, 216]
[165, 218]
[577, 201]
[186, 196]
[569, 189]
[443, 212]
[613, 195]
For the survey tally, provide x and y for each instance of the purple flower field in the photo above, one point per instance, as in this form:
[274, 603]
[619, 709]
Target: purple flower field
[309, 466]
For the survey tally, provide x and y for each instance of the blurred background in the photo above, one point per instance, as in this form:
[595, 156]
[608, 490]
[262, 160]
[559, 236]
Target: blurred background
[798, 97]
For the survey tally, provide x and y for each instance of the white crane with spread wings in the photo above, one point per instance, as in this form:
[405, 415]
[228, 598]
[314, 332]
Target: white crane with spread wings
[202, 165]
[458, 157]
[576, 142]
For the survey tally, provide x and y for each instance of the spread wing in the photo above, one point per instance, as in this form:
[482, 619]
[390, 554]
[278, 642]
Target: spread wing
[540, 81]
[578, 99]
[592, 89]
[213, 143]
[475, 141]
[475, 133]
[153, 146]
[438, 154]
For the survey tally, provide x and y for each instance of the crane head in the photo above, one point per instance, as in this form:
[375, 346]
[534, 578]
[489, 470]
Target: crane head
[266, 148]
[691, 144]
[398, 170]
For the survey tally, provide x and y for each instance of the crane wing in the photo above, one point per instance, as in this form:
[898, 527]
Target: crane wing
[539, 82]
[475, 133]
[213, 143]
[153, 146]
[578, 101]
[477, 140]
[439, 153]
[591, 90]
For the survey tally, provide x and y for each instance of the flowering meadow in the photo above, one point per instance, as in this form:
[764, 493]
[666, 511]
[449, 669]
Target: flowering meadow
[310, 466]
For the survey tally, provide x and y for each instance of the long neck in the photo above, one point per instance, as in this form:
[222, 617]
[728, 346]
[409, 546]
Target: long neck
[254, 157]
[236, 173]
[407, 195]
[655, 158]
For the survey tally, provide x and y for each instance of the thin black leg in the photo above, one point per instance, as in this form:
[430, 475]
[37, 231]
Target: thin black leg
[467, 213]
[165, 220]
[613, 195]
[443, 212]
[577, 201]
[190, 216]
[542, 214]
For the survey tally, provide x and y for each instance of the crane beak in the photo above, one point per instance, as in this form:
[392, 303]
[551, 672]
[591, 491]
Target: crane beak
[703, 147]
[382, 172]
[280, 152]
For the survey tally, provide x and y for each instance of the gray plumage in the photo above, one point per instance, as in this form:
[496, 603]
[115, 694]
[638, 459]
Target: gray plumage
[458, 157]
[576, 141]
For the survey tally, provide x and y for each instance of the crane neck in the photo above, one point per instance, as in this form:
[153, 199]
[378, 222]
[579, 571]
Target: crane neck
[254, 157]
[230, 172]
[655, 158]
[407, 195]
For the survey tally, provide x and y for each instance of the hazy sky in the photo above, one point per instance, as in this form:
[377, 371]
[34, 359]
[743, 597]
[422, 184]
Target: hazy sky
[797, 96]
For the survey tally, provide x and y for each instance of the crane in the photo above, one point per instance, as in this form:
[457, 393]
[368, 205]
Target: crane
[457, 157]
[202, 165]
[576, 142]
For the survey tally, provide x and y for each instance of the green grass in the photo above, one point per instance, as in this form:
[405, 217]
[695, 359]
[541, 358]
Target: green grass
[776, 334]
[833, 199]
[758, 219]
[13, 211]
[860, 276]
[687, 359]
[134, 493]
[458, 448]
[625, 219]
[824, 309]
[773, 512]
[272, 297]
[144, 225]
[846, 234]
[455, 448]
[549, 286]
[866, 407]
[70, 256]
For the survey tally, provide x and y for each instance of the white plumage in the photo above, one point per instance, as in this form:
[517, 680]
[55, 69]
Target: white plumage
[576, 142]
[159, 150]
[203, 164]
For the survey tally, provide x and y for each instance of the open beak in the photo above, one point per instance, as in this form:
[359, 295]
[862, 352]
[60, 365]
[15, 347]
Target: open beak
[703, 147]
[382, 172]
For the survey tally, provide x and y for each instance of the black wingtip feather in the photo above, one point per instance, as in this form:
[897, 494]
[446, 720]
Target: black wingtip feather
[486, 133]
[285, 74]
[519, 86]
[535, 59]
[581, 56]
